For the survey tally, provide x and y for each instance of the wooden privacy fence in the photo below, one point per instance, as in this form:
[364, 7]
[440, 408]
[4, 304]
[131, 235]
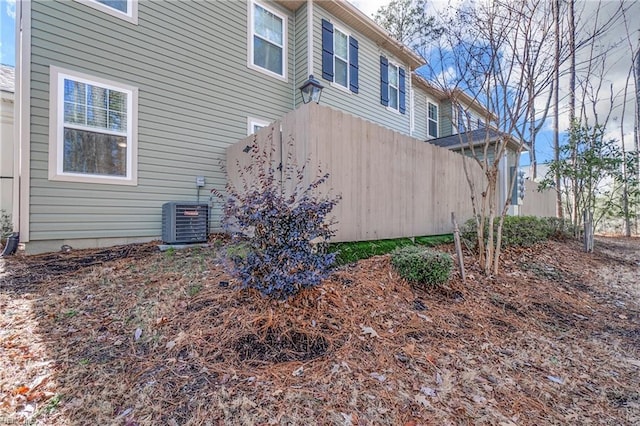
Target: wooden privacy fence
[542, 204]
[391, 185]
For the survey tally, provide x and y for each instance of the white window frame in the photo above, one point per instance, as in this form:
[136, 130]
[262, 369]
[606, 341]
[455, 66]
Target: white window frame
[412, 117]
[389, 86]
[56, 128]
[348, 35]
[131, 15]
[285, 39]
[252, 122]
[429, 119]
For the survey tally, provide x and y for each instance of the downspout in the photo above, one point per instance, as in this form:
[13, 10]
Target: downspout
[412, 104]
[21, 129]
[295, 57]
[309, 37]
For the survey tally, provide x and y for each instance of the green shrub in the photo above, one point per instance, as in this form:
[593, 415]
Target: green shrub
[521, 231]
[279, 238]
[6, 227]
[423, 266]
[349, 252]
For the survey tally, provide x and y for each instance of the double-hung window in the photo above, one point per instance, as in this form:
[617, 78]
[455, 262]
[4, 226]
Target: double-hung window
[268, 43]
[92, 129]
[433, 119]
[392, 85]
[339, 57]
[124, 9]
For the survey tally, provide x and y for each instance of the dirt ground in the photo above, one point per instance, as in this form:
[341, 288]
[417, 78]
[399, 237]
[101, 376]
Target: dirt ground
[132, 336]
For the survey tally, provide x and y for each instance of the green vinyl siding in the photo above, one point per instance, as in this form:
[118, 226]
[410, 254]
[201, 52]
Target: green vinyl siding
[189, 62]
[301, 49]
[420, 119]
[445, 116]
[366, 103]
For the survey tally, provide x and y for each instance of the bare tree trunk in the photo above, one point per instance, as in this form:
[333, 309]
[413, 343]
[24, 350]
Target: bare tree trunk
[556, 101]
[636, 80]
[625, 174]
[532, 130]
[572, 101]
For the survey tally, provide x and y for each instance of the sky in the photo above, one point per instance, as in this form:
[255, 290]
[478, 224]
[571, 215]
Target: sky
[7, 32]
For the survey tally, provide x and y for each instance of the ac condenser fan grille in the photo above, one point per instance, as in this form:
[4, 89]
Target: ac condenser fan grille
[184, 222]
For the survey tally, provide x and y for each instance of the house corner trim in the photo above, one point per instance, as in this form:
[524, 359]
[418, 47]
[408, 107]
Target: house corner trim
[22, 131]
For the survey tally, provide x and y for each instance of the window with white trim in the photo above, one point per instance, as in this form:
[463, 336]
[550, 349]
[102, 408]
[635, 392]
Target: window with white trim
[394, 91]
[341, 58]
[92, 129]
[124, 9]
[255, 124]
[268, 43]
[412, 118]
[432, 119]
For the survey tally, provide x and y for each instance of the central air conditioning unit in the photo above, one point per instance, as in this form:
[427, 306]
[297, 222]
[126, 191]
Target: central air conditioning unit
[185, 222]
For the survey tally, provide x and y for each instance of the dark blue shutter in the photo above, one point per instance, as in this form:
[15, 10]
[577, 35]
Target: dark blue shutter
[353, 64]
[384, 81]
[327, 50]
[402, 92]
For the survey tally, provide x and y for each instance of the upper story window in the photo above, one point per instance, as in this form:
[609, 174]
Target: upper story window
[394, 80]
[92, 129]
[432, 119]
[255, 124]
[124, 9]
[392, 85]
[339, 57]
[464, 120]
[268, 43]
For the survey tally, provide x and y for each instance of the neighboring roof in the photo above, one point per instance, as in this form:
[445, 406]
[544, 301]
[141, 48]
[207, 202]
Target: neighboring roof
[428, 87]
[476, 137]
[462, 97]
[360, 22]
[7, 77]
[456, 95]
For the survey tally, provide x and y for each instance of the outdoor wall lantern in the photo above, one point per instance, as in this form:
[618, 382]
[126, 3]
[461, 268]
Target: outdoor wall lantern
[311, 90]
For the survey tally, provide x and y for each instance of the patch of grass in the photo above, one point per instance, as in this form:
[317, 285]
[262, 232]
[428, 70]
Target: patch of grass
[434, 240]
[350, 252]
[52, 405]
[70, 313]
[194, 289]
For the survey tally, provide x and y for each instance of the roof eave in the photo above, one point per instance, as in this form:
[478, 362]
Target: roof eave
[353, 17]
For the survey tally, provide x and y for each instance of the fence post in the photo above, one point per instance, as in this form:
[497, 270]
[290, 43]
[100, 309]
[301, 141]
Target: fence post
[456, 239]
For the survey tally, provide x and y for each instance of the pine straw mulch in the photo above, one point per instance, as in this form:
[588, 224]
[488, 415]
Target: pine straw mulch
[149, 338]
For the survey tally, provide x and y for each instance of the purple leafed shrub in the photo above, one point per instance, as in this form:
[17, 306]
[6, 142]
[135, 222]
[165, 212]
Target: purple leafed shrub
[279, 235]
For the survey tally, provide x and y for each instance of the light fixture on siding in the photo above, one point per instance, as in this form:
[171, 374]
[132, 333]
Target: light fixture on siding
[311, 90]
